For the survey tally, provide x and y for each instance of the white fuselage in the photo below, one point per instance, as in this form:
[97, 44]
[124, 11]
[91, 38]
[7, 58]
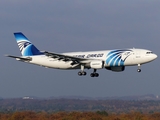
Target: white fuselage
[111, 58]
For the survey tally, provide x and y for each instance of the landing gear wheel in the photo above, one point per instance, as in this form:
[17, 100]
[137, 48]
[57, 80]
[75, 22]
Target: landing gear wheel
[80, 73]
[96, 74]
[138, 70]
[84, 73]
[92, 74]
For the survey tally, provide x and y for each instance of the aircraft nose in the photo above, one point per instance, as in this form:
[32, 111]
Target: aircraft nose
[154, 56]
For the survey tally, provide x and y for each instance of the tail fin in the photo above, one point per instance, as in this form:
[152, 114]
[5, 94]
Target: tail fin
[25, 46]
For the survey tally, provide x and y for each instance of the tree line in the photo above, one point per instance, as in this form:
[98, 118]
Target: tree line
[55, 105]
[99, 115]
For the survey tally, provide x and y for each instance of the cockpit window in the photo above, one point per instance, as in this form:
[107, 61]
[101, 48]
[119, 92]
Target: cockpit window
[149, 52]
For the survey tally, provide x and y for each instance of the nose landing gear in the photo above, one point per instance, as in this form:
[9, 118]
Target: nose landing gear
[139, 68]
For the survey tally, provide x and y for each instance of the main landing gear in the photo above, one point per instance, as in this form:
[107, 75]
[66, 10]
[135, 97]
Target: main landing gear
[139, 68]
[82, 72]
[94, 74]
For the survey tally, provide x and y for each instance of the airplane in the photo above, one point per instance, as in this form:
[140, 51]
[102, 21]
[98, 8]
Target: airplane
[114, 60]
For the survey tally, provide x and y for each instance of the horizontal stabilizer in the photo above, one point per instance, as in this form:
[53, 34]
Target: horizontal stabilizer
[20, 58]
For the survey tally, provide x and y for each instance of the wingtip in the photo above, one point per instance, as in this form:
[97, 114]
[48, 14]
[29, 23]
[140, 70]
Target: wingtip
[6, 55]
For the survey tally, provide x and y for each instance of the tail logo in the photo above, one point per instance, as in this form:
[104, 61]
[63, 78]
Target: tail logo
[117, 57]
[23, 44]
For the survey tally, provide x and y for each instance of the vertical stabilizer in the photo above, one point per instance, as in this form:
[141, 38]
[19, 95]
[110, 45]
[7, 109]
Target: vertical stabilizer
[25, 46]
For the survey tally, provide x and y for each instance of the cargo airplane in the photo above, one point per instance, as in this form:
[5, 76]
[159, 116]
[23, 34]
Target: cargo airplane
[114, 60]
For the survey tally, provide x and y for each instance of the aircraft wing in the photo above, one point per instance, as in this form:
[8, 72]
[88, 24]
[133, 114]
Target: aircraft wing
[20, 58]
[76, 60]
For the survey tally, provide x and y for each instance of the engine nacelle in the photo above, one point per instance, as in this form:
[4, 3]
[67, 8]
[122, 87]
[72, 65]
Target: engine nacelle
[97, 64]
[116, 69]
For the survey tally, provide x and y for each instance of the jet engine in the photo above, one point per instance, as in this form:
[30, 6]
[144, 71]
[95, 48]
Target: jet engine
[97, 64]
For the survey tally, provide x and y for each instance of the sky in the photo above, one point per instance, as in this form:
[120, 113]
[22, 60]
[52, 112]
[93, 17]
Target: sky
[78, 25]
